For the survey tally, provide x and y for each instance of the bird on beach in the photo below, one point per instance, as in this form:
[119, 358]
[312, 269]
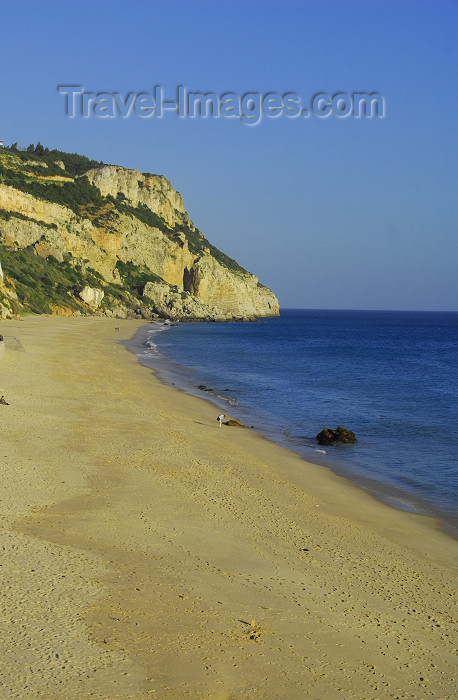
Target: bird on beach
[220, 418]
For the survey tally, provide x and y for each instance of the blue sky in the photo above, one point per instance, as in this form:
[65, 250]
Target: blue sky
[329, 213]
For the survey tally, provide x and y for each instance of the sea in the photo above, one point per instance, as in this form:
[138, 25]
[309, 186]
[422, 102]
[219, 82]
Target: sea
[389, 376]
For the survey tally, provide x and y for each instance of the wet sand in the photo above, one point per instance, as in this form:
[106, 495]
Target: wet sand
[146, 553]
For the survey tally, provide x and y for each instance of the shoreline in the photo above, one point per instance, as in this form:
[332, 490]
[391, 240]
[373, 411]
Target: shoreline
[150, 552]
[184, 379]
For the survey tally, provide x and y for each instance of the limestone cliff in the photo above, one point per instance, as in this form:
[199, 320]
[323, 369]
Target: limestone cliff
[128, 229]
[154, 191]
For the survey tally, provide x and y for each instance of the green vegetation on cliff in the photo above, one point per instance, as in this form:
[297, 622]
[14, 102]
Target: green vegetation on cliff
[73, 195]
[39, 282]
[42, 283]
[7, 215]
[31, 171]
[113, 231]
[135, 277]
[40, 157]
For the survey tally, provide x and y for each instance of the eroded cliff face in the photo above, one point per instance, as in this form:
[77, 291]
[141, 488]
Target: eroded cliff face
[141, 221]
[154, 191]
[217, 286]
[56, 227]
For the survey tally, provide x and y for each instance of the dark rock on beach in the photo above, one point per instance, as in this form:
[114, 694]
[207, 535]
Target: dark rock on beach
[237, 424]
[202, 387]
[333, 437]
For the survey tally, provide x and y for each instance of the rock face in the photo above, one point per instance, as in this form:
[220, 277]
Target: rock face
[154, 191]
[180, 305]
[92, 296]
[55, 227]
[338, 436]
[44, 251]
[240, 295]
[141, 222]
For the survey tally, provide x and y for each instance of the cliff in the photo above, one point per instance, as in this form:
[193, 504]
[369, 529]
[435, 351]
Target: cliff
[71, 224]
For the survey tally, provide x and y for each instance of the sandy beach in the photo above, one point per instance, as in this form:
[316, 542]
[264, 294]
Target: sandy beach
[146, 553]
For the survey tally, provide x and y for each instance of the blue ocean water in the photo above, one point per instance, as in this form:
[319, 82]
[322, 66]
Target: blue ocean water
[391, 377]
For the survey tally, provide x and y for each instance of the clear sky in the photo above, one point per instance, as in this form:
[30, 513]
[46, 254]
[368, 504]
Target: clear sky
[329, 213]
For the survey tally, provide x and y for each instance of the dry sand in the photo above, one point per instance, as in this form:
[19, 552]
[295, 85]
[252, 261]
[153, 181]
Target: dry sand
[145, 553]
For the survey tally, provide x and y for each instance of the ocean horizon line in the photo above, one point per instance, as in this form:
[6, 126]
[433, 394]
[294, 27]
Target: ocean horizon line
[391, 311]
